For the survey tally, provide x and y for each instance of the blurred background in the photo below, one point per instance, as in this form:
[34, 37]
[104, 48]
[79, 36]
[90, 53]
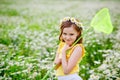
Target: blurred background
[29, 31]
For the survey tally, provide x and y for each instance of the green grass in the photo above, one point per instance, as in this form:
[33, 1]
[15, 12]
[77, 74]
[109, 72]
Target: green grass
[9, 12]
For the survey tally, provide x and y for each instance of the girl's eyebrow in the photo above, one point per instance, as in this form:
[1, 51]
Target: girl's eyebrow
[64, 32]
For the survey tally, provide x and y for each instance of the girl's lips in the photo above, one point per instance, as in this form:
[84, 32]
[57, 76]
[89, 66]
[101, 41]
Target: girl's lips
[67, 40]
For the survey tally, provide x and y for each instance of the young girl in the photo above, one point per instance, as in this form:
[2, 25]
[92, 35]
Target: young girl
[68, 56]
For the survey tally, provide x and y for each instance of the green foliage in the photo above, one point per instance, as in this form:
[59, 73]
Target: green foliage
[9, 12]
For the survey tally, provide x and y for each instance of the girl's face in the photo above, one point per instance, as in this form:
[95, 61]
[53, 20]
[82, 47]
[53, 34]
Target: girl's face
[69, 35]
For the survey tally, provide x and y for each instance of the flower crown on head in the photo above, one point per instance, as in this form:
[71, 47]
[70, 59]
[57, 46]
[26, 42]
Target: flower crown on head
[72, 19]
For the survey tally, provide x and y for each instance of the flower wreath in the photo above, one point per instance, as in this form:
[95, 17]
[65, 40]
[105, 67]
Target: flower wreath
[72, 19]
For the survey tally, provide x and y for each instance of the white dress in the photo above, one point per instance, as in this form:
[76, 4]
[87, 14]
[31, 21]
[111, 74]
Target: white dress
[70, 77]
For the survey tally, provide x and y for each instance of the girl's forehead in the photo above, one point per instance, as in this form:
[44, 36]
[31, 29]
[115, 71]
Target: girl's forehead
[70, 29]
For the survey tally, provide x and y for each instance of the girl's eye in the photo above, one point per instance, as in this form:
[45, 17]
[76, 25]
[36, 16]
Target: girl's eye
[64, 33]
[71, 34]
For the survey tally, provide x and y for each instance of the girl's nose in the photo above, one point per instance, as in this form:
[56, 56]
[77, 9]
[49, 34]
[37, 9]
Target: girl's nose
[67, 37]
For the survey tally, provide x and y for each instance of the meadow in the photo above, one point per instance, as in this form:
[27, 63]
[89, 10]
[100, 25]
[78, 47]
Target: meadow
[29, 37]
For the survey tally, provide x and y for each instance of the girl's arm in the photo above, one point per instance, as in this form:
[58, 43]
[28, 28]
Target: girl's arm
[75, 56]
[57, 59]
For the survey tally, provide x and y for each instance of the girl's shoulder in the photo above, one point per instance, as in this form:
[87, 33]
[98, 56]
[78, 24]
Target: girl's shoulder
[79, 45]
[61, 44]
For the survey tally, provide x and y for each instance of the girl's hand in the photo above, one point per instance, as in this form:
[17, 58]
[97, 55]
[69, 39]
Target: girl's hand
[66, 47]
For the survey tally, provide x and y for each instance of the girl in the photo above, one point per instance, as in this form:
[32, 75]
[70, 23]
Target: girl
[68, 57]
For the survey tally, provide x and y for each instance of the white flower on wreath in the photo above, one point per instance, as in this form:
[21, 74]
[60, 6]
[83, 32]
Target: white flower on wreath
[72, 19]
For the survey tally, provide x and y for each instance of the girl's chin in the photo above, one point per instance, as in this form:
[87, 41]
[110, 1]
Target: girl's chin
[69, 44]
